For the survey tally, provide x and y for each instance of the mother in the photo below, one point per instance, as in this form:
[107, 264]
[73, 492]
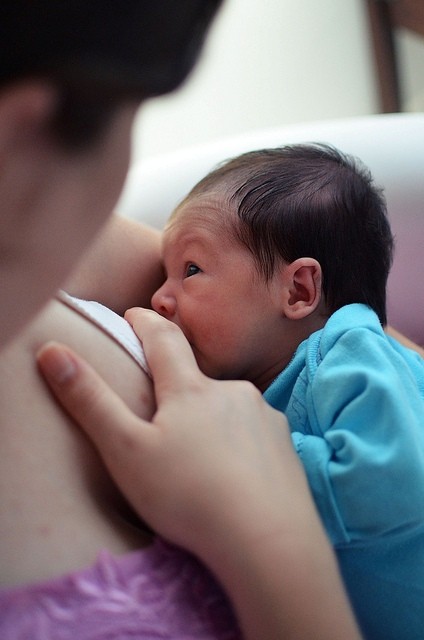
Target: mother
[72, 77]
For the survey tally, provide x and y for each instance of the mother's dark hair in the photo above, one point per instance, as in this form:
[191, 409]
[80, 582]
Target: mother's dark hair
[312, 201]
[99, 53]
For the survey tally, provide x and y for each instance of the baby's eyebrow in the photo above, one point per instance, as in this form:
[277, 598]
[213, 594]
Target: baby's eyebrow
[189, 237]
[194, 239]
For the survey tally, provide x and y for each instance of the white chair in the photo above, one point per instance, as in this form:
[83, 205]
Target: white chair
[392, 146]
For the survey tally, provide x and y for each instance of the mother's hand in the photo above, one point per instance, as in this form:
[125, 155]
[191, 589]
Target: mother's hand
[215, 472]
[212, 451]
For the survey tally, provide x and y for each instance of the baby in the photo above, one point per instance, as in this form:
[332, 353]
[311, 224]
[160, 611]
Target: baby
[276, 269]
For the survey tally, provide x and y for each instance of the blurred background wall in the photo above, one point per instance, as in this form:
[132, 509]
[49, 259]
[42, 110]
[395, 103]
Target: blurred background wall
[276, 62]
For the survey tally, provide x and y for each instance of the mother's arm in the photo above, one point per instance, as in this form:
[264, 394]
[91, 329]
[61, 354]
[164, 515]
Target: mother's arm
[122, 268]
[405, 341]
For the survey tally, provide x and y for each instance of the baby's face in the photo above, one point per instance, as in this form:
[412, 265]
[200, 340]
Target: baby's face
[214, 293]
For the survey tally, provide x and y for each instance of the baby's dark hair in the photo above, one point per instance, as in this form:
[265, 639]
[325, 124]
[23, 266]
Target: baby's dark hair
[311, 200]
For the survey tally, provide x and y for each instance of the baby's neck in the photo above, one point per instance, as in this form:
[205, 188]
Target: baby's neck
[293, 334]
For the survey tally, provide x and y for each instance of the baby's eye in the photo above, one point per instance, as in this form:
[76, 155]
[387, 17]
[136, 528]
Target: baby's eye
[191, 270]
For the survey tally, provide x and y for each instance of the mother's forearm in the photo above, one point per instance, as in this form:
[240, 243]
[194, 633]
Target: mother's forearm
[122, 268]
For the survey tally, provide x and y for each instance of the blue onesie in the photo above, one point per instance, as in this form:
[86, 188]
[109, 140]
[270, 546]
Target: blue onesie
[354, 399]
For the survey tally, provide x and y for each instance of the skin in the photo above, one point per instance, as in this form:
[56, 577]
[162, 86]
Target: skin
[71, 195]
[59, 504]
[213, 285]
[405, 341]
[122, 267]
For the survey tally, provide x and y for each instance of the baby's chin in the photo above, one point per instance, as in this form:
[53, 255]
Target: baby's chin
[207, 367]
[213, 369]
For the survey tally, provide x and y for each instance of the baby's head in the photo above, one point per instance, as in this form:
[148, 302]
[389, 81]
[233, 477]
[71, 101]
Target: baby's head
[306, 211]
[308, 200]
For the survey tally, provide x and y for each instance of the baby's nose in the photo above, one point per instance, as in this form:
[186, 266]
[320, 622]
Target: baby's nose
[163, 302]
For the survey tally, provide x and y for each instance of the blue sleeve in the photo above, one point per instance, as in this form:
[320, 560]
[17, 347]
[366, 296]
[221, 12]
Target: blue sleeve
[365, 457]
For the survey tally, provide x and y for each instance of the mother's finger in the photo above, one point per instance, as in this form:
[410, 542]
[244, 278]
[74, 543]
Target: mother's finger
[170, 357]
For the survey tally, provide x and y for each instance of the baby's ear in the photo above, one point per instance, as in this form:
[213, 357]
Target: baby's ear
[303, 288]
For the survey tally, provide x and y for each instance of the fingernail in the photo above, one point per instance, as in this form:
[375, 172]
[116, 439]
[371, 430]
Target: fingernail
[56, 363]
